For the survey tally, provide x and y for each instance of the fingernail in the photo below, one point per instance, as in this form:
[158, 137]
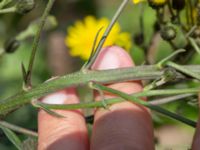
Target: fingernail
[66, 96]
[111, 58]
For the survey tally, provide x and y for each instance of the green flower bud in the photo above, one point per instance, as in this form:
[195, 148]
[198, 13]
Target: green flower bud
[11, 45]
[25, 6]
[168, 33]
[178, 4]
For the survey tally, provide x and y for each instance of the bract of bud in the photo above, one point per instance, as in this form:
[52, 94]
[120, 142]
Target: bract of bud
[168, 33]
[25, 6]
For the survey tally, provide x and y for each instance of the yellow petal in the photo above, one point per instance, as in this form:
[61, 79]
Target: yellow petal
[138, 1]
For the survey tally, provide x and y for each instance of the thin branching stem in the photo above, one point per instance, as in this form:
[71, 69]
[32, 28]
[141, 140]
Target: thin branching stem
[36, 42]
[163, 61]
[169, 99]
[111, 101]
[106, 33]
[146, 104]
[18, 129]
[160, 101]
[194, 45]
[183, 70]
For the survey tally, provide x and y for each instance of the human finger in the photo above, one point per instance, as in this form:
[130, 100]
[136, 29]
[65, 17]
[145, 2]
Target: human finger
[69, 132]
[124, 125]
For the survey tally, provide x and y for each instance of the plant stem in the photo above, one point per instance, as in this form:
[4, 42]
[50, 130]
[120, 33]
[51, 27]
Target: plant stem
[191, 30]
[163, 61]
[144, 103]
[80, 78]
[191, 12]
[8, 10]
[171, 10]
[169, 99]
[18, 129]
[106, 33]
[36, 42]
[183, 70]
[194, 45]
[117, 100]
[90, 119]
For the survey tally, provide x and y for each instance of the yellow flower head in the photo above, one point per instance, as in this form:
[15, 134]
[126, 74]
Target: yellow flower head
[80, 37]
[157, 2]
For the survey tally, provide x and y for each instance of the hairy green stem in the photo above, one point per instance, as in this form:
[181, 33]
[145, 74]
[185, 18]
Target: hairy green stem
[18, 129]
[90, 119]
[83, 78]
[36, 42]
[146, 104]
[111, 101]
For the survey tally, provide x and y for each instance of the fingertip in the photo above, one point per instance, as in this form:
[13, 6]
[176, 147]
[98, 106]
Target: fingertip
[112, 57]
[65, 132]
[124, 125]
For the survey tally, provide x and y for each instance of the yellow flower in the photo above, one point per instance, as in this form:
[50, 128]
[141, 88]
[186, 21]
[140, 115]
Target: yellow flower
[138, 1]
[157, 2]
[80, 37]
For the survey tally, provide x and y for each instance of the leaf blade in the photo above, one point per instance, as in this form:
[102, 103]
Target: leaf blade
[12, 137]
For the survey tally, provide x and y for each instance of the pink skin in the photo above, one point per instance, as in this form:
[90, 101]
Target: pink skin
[124, 126]
[196, 141]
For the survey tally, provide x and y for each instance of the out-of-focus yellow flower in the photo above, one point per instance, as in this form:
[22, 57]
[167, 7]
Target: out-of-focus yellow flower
[157, 2]
[152, 2]
[138, 1]
[80, 37]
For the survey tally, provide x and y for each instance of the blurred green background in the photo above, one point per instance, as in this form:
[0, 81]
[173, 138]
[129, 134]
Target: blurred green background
[53, 59]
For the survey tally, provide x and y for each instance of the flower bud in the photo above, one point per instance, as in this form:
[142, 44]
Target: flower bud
[11, 45]
[168, 33]
[25, 6]
[157, 3]
[178, 4]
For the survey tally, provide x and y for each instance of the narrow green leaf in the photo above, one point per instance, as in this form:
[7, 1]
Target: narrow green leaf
[12, 137]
